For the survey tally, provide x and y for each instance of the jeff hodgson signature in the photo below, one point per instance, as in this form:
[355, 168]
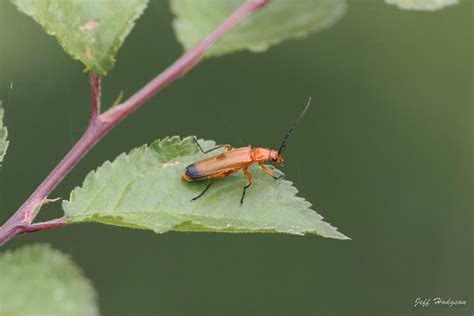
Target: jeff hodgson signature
[438, 301]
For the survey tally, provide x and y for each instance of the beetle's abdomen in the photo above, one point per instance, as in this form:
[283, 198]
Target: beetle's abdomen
[192, 173]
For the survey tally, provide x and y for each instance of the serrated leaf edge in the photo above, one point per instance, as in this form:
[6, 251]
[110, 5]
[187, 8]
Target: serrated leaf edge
[4, 138]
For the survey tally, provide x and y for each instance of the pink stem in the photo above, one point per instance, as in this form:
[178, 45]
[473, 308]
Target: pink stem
[95, 91]
[57, 222]
[100, 124]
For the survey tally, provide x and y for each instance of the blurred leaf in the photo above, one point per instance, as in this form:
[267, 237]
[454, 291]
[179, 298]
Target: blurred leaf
[424, 5]
[37, 280]
[274, 23]
[89, 30]
[3, 136]
[144, 189]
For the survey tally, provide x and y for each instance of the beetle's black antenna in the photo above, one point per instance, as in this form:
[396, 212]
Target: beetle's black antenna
[283, 144]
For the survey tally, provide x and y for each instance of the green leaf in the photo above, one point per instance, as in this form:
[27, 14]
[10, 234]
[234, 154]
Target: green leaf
[3, 136]
[144, 189]
[37, 280]
[89, 30]
[423, 5]
[277, 21]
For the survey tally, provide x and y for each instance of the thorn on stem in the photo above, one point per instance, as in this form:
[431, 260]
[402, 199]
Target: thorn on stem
[46, 200]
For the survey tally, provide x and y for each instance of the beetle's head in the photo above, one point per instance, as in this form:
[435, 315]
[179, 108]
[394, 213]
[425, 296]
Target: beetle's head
[276, 157]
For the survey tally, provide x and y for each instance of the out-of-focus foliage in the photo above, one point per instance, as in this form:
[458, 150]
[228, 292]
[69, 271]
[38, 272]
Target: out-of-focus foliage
[423, 5]
[37, 280]
[3, 136]
[277, 21]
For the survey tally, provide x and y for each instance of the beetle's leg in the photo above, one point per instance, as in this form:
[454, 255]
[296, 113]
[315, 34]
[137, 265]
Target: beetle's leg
[227, 146]
[269, 172]
[249, 177]
[202, 193]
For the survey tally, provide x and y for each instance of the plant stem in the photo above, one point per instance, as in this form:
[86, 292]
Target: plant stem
[100, 124]
[57, 222]
[95, 87]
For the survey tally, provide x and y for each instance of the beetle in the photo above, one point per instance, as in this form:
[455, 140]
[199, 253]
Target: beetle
[236, 159]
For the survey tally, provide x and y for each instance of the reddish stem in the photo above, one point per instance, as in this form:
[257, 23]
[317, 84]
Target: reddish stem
[100, 124]
[95, 91]
[57, 222]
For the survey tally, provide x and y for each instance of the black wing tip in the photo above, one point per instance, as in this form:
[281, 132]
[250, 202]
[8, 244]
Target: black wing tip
[192, 172]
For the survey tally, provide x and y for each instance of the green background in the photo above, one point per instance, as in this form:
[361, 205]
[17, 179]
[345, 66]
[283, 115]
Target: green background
[385, 154]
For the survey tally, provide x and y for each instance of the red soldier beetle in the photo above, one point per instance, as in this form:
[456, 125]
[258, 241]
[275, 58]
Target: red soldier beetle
[236, 159]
